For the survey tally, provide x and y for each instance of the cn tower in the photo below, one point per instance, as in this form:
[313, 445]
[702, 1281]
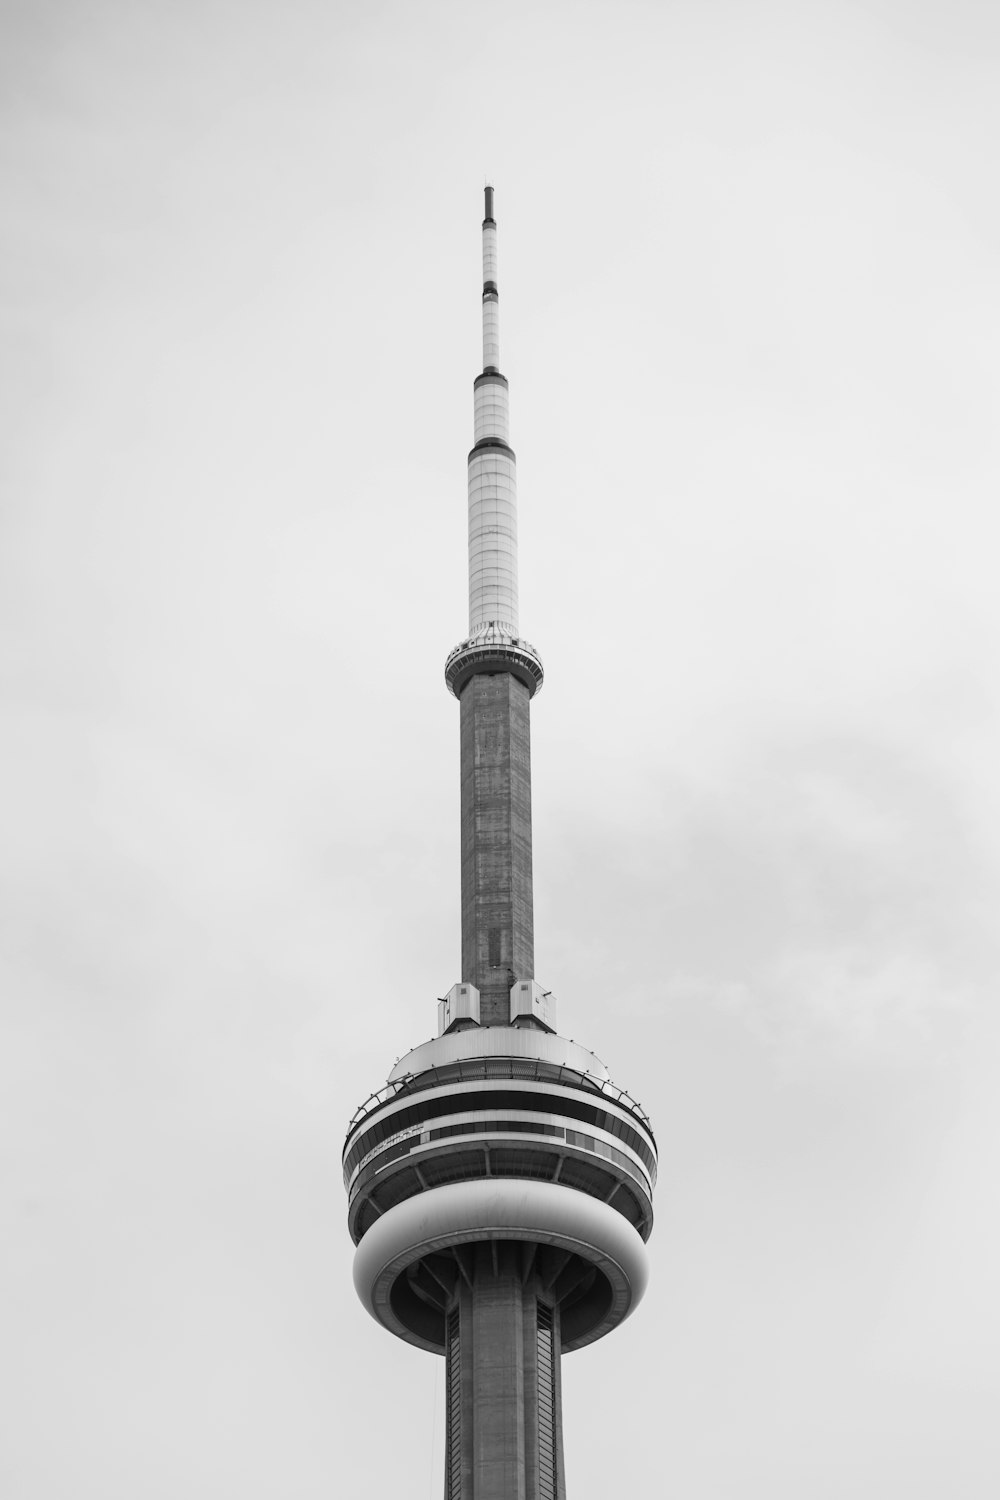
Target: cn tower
[499, 1185]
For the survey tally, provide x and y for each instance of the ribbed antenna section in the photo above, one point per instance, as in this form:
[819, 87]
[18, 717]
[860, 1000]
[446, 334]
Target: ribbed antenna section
[491, 305]
[493, 644]
[492, 471]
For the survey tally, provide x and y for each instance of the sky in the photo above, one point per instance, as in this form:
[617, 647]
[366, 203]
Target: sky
[749, 313]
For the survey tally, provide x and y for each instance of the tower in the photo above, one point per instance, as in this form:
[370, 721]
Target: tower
[499, 1185]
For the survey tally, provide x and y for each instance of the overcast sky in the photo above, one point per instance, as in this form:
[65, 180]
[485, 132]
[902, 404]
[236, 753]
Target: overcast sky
[750, 316]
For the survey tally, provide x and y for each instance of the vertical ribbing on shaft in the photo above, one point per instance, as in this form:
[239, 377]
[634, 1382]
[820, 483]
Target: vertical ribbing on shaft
[491, 303]
[492, 540]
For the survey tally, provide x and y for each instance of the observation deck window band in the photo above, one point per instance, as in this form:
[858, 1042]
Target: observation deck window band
[373, 1164]
[490, 290]
[414, 1116]
[492, 376]
[537, 1133]
[400, 1143]
[629, 1195]
[578, 1140]
[523, 1099]
[536, 1070]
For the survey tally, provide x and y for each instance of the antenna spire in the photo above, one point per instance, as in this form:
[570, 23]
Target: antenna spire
[494, 673]
[491, 297]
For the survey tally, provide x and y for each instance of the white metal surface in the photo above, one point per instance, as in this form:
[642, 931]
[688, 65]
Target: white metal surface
[491, 333]
[499, 1041]
[492, 410]
[460, 1004]
[490, 253]
[492, 540]
[464, 1213]
[528, 998]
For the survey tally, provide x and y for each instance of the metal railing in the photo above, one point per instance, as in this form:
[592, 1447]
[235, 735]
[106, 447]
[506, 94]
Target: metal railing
[526, 1070]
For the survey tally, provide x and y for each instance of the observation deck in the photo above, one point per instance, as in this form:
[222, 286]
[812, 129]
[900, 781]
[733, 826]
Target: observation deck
[500, 1136]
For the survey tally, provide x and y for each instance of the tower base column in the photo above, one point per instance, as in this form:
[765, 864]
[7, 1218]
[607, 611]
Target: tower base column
[504, 1410]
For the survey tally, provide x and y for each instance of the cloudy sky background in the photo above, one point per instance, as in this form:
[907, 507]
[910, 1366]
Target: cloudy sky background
[750, 314]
